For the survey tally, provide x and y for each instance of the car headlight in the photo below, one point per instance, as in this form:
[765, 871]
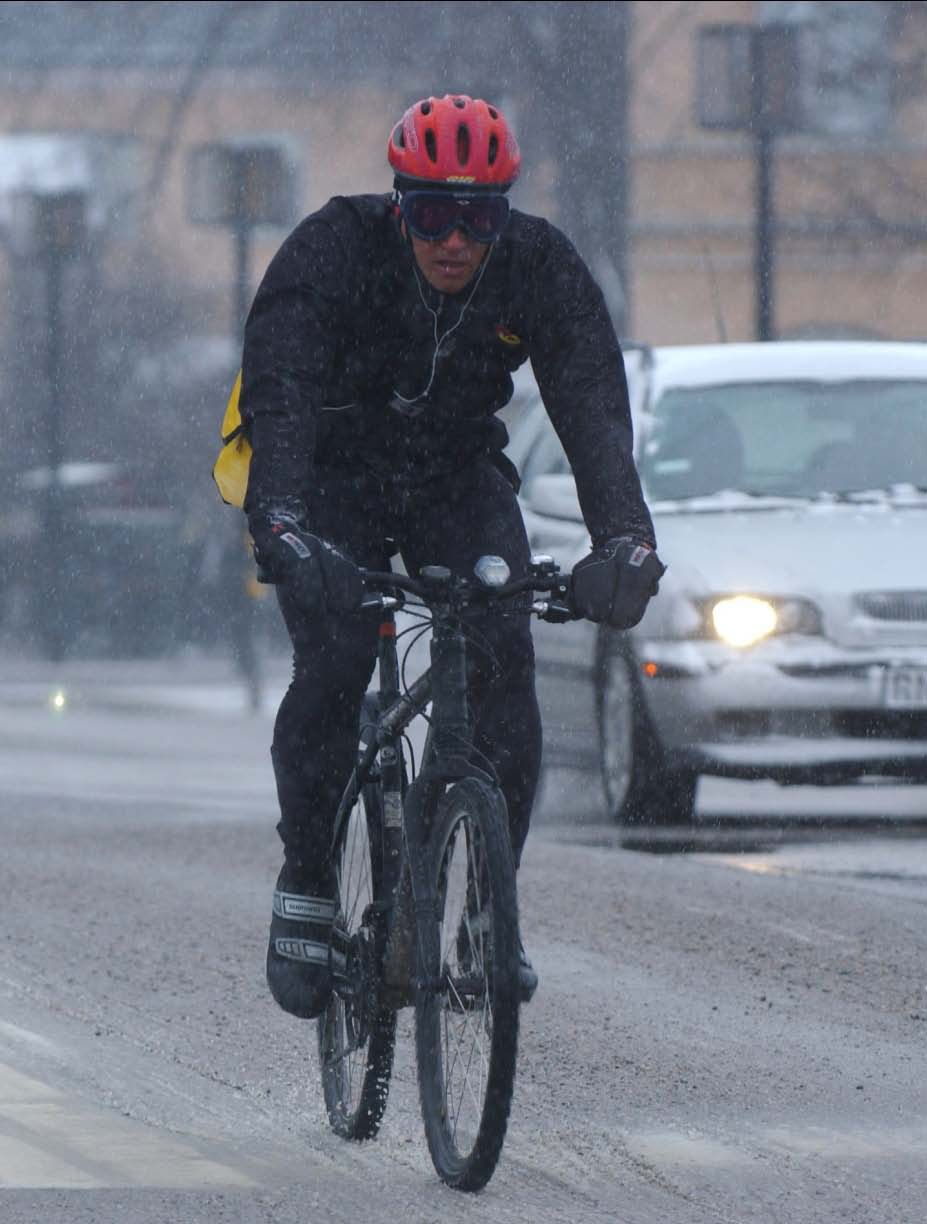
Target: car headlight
[744, 620]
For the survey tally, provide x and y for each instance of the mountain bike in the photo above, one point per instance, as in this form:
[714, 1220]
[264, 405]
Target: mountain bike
[428, 913]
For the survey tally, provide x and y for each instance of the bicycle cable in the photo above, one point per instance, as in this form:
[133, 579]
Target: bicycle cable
[419, 616]
[470, 632]
[471, 747]
[421, 631]
[407, 740]
[478, 639]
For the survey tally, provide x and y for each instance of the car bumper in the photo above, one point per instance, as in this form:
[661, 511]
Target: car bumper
[794, 713]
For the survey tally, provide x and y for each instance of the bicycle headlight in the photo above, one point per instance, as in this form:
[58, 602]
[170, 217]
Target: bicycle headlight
[492, 571]
[744, 620]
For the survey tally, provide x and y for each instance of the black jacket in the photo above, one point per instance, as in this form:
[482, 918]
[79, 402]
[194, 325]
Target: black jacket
[340, 333]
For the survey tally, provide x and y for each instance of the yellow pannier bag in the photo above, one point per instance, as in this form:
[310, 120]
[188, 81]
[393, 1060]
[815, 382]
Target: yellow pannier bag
[230, 471]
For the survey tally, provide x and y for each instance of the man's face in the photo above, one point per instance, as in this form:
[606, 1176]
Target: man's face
[449, 264]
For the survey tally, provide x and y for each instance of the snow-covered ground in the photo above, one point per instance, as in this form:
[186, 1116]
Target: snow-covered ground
[717, 1036]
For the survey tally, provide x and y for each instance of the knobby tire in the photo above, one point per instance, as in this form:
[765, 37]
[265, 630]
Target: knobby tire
[467, 1033]
[356, 1075]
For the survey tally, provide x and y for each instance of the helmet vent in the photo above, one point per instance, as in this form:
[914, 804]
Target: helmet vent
[463, 144]
[431, 145]
[426, 108]
[459, 103]
[399, 136]
[493, 113]
[493, 152]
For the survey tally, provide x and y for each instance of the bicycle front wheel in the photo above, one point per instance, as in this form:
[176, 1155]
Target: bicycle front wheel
[466, 1016]
[356, 1034]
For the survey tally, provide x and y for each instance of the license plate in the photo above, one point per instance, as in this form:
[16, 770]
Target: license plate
[906, 688]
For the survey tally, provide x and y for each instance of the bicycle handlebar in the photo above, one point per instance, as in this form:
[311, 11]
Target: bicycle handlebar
[444, 586]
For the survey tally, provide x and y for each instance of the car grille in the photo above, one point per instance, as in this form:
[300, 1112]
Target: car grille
[812, 724]
[894, 605]
[882, 724]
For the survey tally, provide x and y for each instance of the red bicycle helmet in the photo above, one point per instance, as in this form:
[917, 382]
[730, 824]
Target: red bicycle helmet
[455, 140]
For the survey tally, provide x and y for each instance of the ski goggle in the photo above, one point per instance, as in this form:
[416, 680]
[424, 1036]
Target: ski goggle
[432, 215]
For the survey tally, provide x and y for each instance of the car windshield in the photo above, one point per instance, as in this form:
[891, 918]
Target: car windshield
[786, 439]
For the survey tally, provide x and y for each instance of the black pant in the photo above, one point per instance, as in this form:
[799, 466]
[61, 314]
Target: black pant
[452, 522]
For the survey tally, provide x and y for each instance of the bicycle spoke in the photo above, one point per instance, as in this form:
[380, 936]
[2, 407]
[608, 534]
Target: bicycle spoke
[466, 1023]
[467, 1016]
[467, 1033]
[476, 1097]
[483, 1063]
[356, 881]
[356, 1038]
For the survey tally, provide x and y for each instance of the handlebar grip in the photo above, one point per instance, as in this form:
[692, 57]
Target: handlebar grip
[560, 612]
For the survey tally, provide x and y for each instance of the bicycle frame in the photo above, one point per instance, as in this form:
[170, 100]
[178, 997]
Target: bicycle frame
[449, 742]
[445, 760]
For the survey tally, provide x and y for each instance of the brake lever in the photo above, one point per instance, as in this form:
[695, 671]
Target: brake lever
[559, 606]
[557, 613]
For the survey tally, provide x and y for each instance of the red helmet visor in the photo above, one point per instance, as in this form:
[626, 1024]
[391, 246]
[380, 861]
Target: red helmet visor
[432, 215]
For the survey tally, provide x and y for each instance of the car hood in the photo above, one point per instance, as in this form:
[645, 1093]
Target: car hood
[732, 541]
[796, 549]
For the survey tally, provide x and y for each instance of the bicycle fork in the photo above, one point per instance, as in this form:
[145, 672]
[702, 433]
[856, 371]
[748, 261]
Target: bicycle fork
[446, 760]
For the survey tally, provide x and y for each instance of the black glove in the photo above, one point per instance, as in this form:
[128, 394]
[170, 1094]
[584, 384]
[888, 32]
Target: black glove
[615, 582]
[320, 578]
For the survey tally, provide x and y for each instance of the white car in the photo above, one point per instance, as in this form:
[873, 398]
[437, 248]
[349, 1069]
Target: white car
[788, 485]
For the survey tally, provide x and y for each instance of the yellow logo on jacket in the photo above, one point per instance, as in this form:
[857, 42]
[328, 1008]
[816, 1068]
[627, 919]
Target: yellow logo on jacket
[506, 336]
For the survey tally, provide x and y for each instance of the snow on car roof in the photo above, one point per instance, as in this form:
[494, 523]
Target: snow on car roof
[819, 360]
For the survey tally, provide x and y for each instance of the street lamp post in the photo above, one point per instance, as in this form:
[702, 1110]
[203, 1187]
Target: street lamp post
[241, 185]
[51, 227]
[748, 80]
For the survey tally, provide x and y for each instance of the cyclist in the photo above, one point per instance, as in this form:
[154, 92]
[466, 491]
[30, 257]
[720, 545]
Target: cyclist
[378, 350]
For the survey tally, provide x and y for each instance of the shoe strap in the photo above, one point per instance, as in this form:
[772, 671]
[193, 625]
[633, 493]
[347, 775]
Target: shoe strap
[302, 950]
[303, 909]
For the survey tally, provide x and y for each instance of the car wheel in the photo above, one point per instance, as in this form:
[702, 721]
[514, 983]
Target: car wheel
[641, 786]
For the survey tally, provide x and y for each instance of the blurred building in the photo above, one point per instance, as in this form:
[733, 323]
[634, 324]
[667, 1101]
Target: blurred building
[107, 100]
[604, 96]
[849, 183]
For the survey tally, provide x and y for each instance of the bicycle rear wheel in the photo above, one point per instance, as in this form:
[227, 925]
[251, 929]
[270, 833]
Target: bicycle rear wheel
[356, 1035]
[466, 1028]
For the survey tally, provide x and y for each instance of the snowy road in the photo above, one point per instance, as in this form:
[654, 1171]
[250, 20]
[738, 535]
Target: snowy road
[733, 1034]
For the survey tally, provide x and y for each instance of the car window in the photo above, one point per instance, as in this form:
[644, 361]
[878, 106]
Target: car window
[786, 438]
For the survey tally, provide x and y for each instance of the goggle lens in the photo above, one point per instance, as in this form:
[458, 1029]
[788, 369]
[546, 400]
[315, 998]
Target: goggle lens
[433, 215]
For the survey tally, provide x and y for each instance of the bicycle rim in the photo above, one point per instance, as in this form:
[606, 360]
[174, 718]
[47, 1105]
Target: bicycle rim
[467, 1028]
[356, 1038]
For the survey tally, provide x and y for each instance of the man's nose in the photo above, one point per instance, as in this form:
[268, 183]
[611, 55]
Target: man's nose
[456, 240]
